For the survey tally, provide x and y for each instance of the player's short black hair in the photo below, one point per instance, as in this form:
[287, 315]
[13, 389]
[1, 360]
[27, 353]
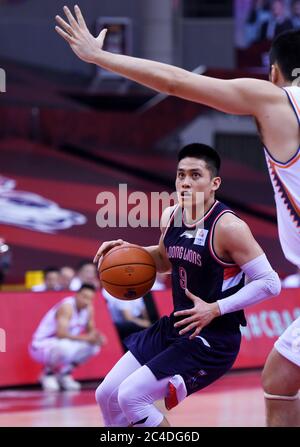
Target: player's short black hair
[87, 285]
[203, 152]
[285, 51]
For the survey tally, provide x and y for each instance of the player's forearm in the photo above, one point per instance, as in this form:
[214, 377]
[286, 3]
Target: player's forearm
[160, 263]
[226, 96]
[152, 74]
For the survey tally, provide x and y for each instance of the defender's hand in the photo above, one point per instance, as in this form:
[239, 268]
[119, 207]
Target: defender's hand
[76, 33]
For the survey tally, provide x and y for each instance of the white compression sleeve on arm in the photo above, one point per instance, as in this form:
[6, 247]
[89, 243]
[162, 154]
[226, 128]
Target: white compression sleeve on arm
[263, 283]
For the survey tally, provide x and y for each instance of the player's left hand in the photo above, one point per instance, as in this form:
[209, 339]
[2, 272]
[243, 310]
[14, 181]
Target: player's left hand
[198, 317]
[96, 338]
[76, 33]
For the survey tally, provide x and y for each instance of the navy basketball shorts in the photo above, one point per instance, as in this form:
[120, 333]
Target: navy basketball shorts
[199, 362]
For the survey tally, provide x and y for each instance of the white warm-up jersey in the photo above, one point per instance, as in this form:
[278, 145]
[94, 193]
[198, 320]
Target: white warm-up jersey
[286, 184]
[48, 325]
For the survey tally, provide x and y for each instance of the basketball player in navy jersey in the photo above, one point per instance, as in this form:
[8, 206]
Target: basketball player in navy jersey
[208, 252]
[275, 106]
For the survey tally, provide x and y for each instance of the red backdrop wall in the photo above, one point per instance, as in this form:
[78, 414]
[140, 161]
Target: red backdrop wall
[20, 314]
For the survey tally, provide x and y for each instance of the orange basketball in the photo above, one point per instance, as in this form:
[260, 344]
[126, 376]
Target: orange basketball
[127, 272]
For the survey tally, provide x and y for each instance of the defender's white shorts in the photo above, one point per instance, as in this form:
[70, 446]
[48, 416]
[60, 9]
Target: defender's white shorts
[288, 344]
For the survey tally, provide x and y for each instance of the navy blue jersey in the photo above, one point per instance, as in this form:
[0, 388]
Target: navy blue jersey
[196, 266]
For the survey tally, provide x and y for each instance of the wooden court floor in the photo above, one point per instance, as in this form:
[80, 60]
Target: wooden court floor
[235, 400]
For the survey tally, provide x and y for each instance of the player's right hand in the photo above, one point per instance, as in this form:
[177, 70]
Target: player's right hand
[105, 247]
[95, 338]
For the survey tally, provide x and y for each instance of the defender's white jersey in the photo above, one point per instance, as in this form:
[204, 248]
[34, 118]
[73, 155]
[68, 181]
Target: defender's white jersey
[48, 325]
[286, 184]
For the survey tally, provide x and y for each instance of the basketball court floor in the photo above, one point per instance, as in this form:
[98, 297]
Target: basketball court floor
[235, 400]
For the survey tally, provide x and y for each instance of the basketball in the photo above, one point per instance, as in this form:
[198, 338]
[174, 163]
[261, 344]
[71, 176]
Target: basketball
[127, 272]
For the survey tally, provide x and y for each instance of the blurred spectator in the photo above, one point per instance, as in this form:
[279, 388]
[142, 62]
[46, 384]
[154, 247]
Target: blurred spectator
[296, 13]
[65, 338]
[5, 259]
[259, 14]
[66, 274]
[278, 21]
[86, 273]
[51, 280]
[292, 280]
[128, 316]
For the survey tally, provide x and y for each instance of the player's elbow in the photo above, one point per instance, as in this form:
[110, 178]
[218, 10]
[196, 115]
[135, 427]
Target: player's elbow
[171, 88]
[174, 82]
[162, 264]
[164, 269]
[273, 284]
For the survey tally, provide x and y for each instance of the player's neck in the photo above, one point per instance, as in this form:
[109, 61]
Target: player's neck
[195, 213]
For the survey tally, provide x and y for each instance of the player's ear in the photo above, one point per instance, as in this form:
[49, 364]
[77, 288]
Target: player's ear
[274, 74]
[216, 183]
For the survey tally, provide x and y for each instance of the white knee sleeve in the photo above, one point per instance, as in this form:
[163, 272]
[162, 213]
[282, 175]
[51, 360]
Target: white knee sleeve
[111, 411]
[137, 394]
[107, 392]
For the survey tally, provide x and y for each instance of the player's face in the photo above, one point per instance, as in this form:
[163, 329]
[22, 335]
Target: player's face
[84, 298]
[194, 182]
